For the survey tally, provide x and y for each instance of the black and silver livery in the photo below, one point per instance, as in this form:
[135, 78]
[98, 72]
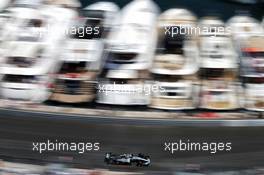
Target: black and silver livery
[127, 159]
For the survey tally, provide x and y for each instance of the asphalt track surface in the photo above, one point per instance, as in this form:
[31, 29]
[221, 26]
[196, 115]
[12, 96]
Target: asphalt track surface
[18, 129]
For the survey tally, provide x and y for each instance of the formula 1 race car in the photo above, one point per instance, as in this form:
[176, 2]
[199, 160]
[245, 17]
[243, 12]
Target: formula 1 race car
[127, 159]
